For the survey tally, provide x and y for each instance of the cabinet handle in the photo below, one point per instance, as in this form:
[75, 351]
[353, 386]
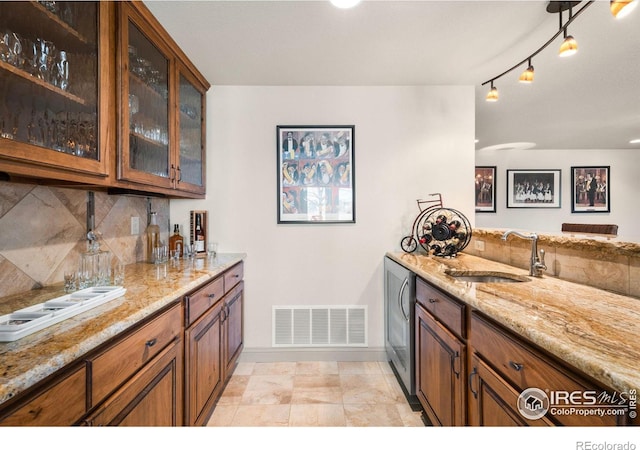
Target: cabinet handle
[173, 171]
[453, 364]
[516, 366]
[236, 276]
[223, 313]
[471, 375]
[433, 300]
[179, 175]
[211, 295]
[151, 342]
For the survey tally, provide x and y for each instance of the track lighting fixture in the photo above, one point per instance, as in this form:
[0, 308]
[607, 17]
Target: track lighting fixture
[622, 8]
[619, 8]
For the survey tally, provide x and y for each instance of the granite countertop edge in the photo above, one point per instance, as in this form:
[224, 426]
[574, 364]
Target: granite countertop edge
[150, 288]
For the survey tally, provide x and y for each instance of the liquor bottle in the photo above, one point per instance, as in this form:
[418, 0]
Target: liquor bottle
[153, 237]
[199, 235]
[176, 242]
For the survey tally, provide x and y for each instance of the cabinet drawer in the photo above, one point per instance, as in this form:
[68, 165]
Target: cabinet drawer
[46, 409]
[525, 367]
[233, 276]
[116, 364]
[444, 308]
[203, 299]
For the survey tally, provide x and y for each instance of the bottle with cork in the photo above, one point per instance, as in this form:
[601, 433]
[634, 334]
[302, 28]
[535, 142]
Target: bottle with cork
[153, 237]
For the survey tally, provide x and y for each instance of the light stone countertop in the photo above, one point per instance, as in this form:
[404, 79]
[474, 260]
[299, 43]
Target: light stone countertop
[596, 331]
[149, 287]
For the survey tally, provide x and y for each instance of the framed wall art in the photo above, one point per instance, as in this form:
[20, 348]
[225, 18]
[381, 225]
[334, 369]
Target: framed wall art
[485, 188]
[533, 188]
[590, 189]
[316, 176]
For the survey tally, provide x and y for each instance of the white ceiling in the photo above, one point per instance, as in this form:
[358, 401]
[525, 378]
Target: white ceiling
[590, 100]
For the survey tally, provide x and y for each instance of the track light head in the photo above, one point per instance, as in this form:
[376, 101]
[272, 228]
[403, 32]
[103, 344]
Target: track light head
[622, 8]
[527, 76]
[492, 96]
[569, 47]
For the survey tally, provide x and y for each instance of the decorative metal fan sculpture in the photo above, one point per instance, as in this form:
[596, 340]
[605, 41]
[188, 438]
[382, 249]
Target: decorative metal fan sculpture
[443, 231]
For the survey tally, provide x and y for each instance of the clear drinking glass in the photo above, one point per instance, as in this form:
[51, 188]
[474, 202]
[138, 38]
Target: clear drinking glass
[118, 273]
[69, 281]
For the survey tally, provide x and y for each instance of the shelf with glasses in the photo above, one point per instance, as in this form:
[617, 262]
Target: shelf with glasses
[39, 82]
[57, 30]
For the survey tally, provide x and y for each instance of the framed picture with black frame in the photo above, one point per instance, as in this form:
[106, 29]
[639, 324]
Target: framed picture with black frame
[485, 189]
[316, 174]
[533, 188]
[590, 189]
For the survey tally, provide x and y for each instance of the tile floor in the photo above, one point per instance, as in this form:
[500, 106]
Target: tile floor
[314, 394]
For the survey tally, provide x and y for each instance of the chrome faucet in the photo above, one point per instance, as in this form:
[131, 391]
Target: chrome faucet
[536, 265]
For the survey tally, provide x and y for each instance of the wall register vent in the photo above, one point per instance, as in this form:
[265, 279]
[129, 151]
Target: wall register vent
[319, 326]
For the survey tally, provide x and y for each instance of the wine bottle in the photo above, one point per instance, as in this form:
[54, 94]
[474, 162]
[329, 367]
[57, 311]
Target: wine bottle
[153, 236]
[199, 235]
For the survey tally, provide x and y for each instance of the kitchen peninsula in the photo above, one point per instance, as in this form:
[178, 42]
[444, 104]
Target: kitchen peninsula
[568, 330]
[162, 303]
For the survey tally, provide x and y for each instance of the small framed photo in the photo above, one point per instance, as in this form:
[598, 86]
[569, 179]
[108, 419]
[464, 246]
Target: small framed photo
[533, 188]
[486, 189]
[316, 174]
[590, 189]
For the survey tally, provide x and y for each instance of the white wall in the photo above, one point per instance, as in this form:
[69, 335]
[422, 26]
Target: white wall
[409, 142]
[624, 184]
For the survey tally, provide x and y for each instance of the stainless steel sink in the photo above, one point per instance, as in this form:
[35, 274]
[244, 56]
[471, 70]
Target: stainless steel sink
[481, 276]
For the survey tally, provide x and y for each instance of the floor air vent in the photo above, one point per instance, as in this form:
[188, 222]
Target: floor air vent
[319, 326]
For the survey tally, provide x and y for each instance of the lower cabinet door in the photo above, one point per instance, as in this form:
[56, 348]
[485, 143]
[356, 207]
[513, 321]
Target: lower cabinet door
[492, 401]
[440, 377]
[153, 397]
[204, 365]
[234, 327]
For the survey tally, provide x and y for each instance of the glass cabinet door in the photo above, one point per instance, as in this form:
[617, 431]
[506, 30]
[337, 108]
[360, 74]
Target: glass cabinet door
[191, 134]
[49, 83]
[145, 98]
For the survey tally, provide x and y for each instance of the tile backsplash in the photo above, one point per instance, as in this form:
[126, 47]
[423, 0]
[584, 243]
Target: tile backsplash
[43, 231]
[605, 264]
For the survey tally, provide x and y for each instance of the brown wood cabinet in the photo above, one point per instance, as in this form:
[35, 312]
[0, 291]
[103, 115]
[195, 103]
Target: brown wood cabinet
[99, 96]
[471, 370]
[213, 342]
[520, 366]
[137, 380]
[152, 397]
[57, 84]
[43, 407]
[493, 401]
[162, 98]
[440, 356]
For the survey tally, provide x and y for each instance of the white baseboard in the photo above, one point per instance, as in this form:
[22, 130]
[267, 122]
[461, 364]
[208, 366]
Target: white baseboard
[312, 354]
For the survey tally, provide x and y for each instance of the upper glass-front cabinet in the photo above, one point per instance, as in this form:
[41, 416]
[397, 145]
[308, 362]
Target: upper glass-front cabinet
[191, 102]
[51, 53]
[162, 114]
